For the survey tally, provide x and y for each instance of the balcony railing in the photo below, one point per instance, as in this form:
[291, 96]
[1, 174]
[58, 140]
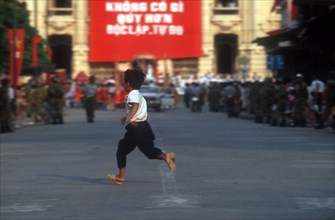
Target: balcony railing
[60, 11]
[227, 9]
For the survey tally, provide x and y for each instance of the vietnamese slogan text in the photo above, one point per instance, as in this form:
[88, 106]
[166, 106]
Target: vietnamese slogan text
[143, 18]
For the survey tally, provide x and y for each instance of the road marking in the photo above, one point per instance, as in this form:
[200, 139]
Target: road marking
[316, 202]
[314, 164]
[170, 196]
[236, 181]
[306, 144]
[24, 208]
[315, 161]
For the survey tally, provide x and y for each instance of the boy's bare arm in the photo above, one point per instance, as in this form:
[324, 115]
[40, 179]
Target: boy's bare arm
[133, 109]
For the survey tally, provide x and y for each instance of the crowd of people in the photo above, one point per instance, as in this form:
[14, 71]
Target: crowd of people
[37, 102]
[276, 101]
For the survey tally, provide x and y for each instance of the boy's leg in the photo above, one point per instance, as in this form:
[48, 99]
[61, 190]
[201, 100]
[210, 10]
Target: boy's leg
[125, 147]
[147, 147]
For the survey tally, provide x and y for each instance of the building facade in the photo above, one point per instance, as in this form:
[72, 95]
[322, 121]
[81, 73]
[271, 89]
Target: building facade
[228, 29]
[306, 40]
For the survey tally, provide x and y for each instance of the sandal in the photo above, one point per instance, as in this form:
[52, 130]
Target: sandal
[115, 179]
[170, 160]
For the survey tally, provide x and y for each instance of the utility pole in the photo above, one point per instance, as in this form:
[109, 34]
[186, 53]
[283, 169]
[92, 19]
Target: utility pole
[35, 14]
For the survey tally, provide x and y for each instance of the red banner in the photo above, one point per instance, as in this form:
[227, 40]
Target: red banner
[36, 40]
[19, 47]
[122, 29]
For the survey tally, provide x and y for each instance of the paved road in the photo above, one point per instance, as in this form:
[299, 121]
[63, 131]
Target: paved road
[227, 169]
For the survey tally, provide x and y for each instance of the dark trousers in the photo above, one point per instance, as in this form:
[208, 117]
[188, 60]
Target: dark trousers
[141, 137]
[89, 104]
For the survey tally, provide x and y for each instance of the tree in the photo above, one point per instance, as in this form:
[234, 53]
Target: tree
[11, 12]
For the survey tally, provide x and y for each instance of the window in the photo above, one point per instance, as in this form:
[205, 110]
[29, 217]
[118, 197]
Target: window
[227, 3]
[60, 7]
[226, 7]
[63, 4]
[186, 66]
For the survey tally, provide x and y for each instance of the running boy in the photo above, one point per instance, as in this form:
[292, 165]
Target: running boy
[139, 133]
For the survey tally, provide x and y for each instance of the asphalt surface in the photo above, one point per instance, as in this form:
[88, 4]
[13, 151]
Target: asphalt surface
[227, 169]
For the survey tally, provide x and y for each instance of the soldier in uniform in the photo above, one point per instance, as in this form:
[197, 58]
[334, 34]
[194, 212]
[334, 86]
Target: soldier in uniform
[55, 99]
[27, 89]
[301, 96]
[228, 97]
[214, 97]
[281, 99]
[268, 92]
[38, 95]
[330, 100]
[187, 95]
[5, 113]
[257, 100]
[237, 100]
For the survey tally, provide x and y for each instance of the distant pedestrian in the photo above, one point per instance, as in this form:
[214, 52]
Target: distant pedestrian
[89, 95]
[300, 103]
[21, 106]
[229, 96]
[187, 95]
[329, 114]
[317, 105]
[139, 133]
[5, 112]
[55, 98]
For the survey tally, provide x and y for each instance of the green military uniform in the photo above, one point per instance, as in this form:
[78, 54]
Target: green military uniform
[330, 100]
[257, 102]
[28, 91]
[279, 115]
[300, 94]
[38, 95]
[55, 98]
[268, 92]
[5, 114]
[214, 97]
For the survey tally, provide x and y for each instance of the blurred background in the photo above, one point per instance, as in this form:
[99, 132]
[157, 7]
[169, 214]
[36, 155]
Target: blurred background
[189, 39]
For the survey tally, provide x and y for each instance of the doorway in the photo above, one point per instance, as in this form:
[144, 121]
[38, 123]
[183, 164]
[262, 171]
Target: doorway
[226, 52]
[61, 46]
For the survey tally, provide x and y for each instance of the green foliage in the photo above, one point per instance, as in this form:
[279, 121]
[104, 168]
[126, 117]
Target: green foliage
[9, 10]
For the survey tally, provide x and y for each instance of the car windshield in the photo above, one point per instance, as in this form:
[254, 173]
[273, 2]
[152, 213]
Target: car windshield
[149, 89]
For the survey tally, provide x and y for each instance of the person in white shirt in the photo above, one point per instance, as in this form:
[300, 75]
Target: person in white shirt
[90, 92]
[317, 92]
[139, 132]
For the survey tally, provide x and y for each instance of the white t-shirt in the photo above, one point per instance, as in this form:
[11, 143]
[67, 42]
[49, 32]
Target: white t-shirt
[136, 97]
[317, 86]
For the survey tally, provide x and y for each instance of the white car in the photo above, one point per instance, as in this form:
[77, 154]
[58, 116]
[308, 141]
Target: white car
[153, 96]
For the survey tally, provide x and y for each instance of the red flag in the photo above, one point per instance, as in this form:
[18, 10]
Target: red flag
[18, 56]
[36, 40]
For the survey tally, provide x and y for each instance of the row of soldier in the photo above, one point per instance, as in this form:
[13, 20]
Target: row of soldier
[33, 102]
[42, 103]
[278, 101]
